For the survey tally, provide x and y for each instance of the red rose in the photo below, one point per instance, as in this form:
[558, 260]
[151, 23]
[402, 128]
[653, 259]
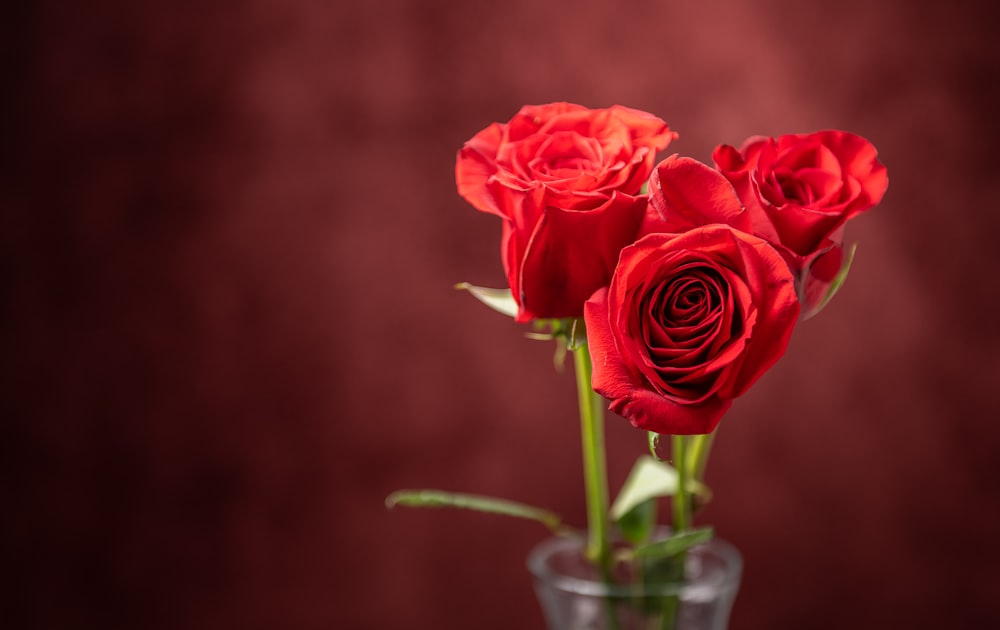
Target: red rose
[801, 189]
[689, 322]
[566, 180]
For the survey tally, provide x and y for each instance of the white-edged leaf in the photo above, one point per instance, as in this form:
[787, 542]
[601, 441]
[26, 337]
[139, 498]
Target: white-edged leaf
[649, 478]
[476, 502]
[500, 300]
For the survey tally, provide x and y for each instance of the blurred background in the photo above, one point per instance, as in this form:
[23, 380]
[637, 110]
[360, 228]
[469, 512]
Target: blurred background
[229, 236]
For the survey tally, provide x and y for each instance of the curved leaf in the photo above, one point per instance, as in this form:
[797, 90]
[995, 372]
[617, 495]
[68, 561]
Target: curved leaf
[478, 503]
[649, 479]
[500, 300]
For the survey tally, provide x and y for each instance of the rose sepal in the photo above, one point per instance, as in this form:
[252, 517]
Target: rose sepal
[817, 287]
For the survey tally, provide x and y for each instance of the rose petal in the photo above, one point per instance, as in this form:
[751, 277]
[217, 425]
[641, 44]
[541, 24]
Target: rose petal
[571, 253]
[770, 278]
[685, 193]
[475, 165]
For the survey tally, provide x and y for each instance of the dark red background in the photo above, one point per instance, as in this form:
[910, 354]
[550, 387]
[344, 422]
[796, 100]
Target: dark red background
[229, 235]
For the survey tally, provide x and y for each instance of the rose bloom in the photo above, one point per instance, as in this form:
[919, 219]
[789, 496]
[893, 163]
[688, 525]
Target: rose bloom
[565, 179]
[800, 190]
[689, 323]
[694, 315]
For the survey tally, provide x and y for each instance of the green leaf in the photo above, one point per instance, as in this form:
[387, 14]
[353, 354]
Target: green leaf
[637, 524]
[649, 479]
[674, 545]
[500, 300]
[478, 503]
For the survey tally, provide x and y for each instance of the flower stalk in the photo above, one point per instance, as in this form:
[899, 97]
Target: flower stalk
[682, 498]
[701, 446]
[682, 522]
[594, 460]
[595, 470]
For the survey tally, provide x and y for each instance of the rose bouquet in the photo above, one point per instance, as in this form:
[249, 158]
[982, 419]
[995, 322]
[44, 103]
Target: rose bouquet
[675, 286]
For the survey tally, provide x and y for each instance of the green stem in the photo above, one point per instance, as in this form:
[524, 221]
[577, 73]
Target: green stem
[701, 446]
[682, 523]
[595, 472]
[682, 500]
[594, 467]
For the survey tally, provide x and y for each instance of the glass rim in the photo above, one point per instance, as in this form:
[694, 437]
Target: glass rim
[725, 579]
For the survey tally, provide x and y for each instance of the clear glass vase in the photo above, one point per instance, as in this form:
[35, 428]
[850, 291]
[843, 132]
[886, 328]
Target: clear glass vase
[574, 597]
